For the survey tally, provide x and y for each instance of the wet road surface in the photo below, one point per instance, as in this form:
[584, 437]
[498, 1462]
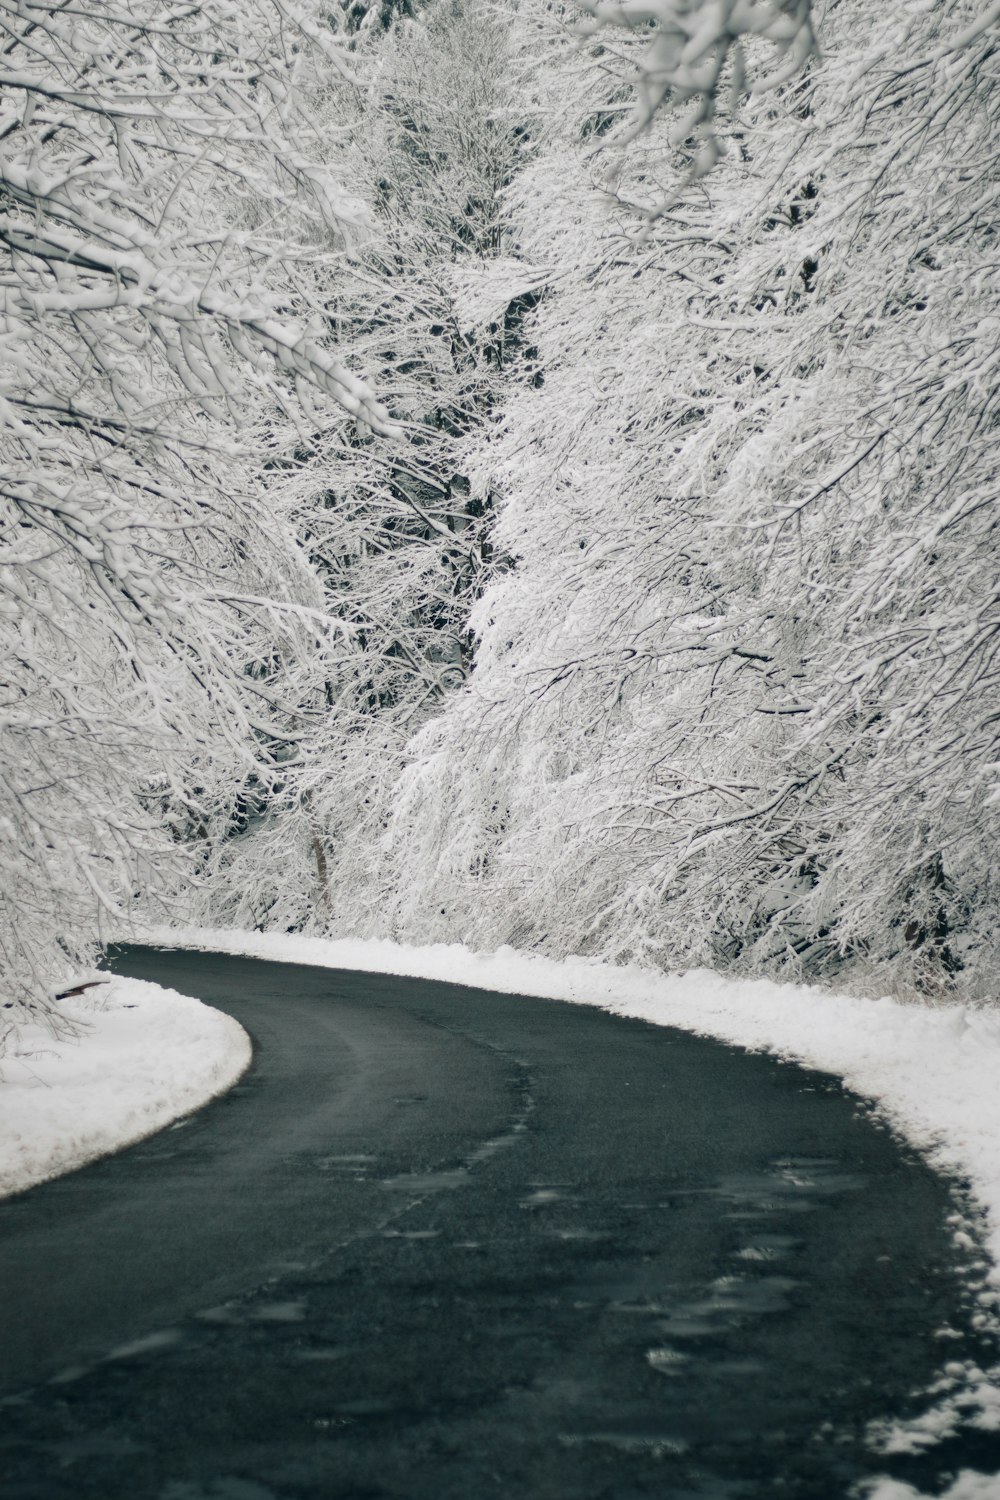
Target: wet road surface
[441, 1244]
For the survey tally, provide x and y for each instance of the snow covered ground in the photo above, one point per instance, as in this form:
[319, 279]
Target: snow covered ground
[142, 1057]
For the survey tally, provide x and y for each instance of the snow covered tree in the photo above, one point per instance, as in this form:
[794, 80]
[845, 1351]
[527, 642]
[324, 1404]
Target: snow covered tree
[737, 700]
[432, 303]
[681, 55]
[653, 612]
[162, 180]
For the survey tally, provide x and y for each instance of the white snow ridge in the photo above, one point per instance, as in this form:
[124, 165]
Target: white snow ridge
[142, 1058]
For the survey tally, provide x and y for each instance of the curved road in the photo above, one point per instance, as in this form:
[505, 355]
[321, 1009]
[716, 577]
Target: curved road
[447, 1245]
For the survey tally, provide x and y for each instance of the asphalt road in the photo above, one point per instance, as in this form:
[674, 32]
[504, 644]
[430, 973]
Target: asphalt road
[448, 1245]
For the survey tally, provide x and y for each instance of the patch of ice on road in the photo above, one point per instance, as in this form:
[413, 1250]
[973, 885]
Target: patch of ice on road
[280, 1312]
[667, 1361]
[150, 1343]
[143, 1057]
[967, 1486]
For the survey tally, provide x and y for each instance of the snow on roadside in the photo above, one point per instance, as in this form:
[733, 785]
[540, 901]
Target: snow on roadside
[143, 1057]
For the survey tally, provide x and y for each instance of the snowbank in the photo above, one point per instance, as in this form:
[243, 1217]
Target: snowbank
[934, 1072]
[144, 1056]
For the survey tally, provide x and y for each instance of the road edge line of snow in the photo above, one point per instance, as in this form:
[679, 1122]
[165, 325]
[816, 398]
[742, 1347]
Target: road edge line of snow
[143, 1058]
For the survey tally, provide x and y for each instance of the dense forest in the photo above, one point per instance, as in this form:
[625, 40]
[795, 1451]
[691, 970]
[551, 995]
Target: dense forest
[509, 473]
